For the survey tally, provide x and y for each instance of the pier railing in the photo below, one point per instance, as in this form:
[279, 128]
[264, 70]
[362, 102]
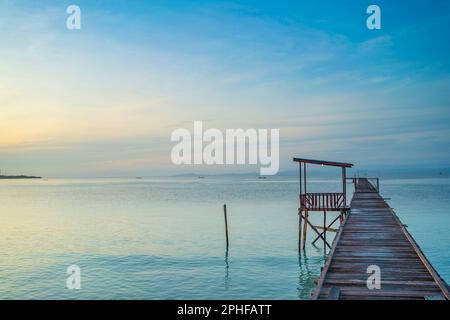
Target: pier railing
[372, 184]
[322, 201]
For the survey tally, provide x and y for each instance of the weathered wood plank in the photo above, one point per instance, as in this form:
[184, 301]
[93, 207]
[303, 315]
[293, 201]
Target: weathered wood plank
[373, 235]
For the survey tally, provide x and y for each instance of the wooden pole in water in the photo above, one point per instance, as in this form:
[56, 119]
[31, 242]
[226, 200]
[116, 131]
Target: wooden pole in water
[305, 217]
[305, 223]
[226, 222]
[300, 209]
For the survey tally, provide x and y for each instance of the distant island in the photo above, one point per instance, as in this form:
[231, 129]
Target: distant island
[19, 177]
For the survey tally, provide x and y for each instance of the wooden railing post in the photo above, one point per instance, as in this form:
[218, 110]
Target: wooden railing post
[344, 186]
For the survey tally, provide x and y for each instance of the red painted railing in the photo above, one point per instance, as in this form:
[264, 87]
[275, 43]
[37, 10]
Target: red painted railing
[322, 201]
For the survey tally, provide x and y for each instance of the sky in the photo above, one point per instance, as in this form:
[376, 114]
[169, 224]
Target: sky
[103, 100]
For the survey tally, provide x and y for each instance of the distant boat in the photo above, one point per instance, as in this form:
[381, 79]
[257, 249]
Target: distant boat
[138, 177]
[262, 177]
[201, 177]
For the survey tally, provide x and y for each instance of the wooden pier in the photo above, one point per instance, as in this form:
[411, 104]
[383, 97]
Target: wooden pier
[372, 235]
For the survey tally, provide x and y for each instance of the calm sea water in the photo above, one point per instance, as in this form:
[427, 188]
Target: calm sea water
[163, 238]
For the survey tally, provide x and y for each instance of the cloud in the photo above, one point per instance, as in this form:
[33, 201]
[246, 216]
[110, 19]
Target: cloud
[375, 45]
[108, 96]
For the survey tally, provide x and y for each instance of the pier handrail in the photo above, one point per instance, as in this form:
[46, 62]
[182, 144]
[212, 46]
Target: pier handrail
[374, 181]
[330, 201]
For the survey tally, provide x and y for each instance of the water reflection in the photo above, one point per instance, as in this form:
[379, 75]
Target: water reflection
[227, 269]
[308, 270]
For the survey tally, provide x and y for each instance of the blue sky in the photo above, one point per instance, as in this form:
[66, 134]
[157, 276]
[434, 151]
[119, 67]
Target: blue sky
[103, 100]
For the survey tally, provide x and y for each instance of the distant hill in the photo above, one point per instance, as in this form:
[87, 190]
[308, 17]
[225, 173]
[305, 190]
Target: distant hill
[19, 177]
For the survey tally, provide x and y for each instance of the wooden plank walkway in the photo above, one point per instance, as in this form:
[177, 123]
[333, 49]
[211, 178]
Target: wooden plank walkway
[372, 234]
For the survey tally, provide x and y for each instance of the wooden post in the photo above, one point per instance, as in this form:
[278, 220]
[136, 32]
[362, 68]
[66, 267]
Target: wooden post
[299, 229]
[305, 217]
[226, 222]
[344, 191]
[300, 208]
[324, 227]
[304, 175]
[305, 226]
[300, 175]
[344, 186]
